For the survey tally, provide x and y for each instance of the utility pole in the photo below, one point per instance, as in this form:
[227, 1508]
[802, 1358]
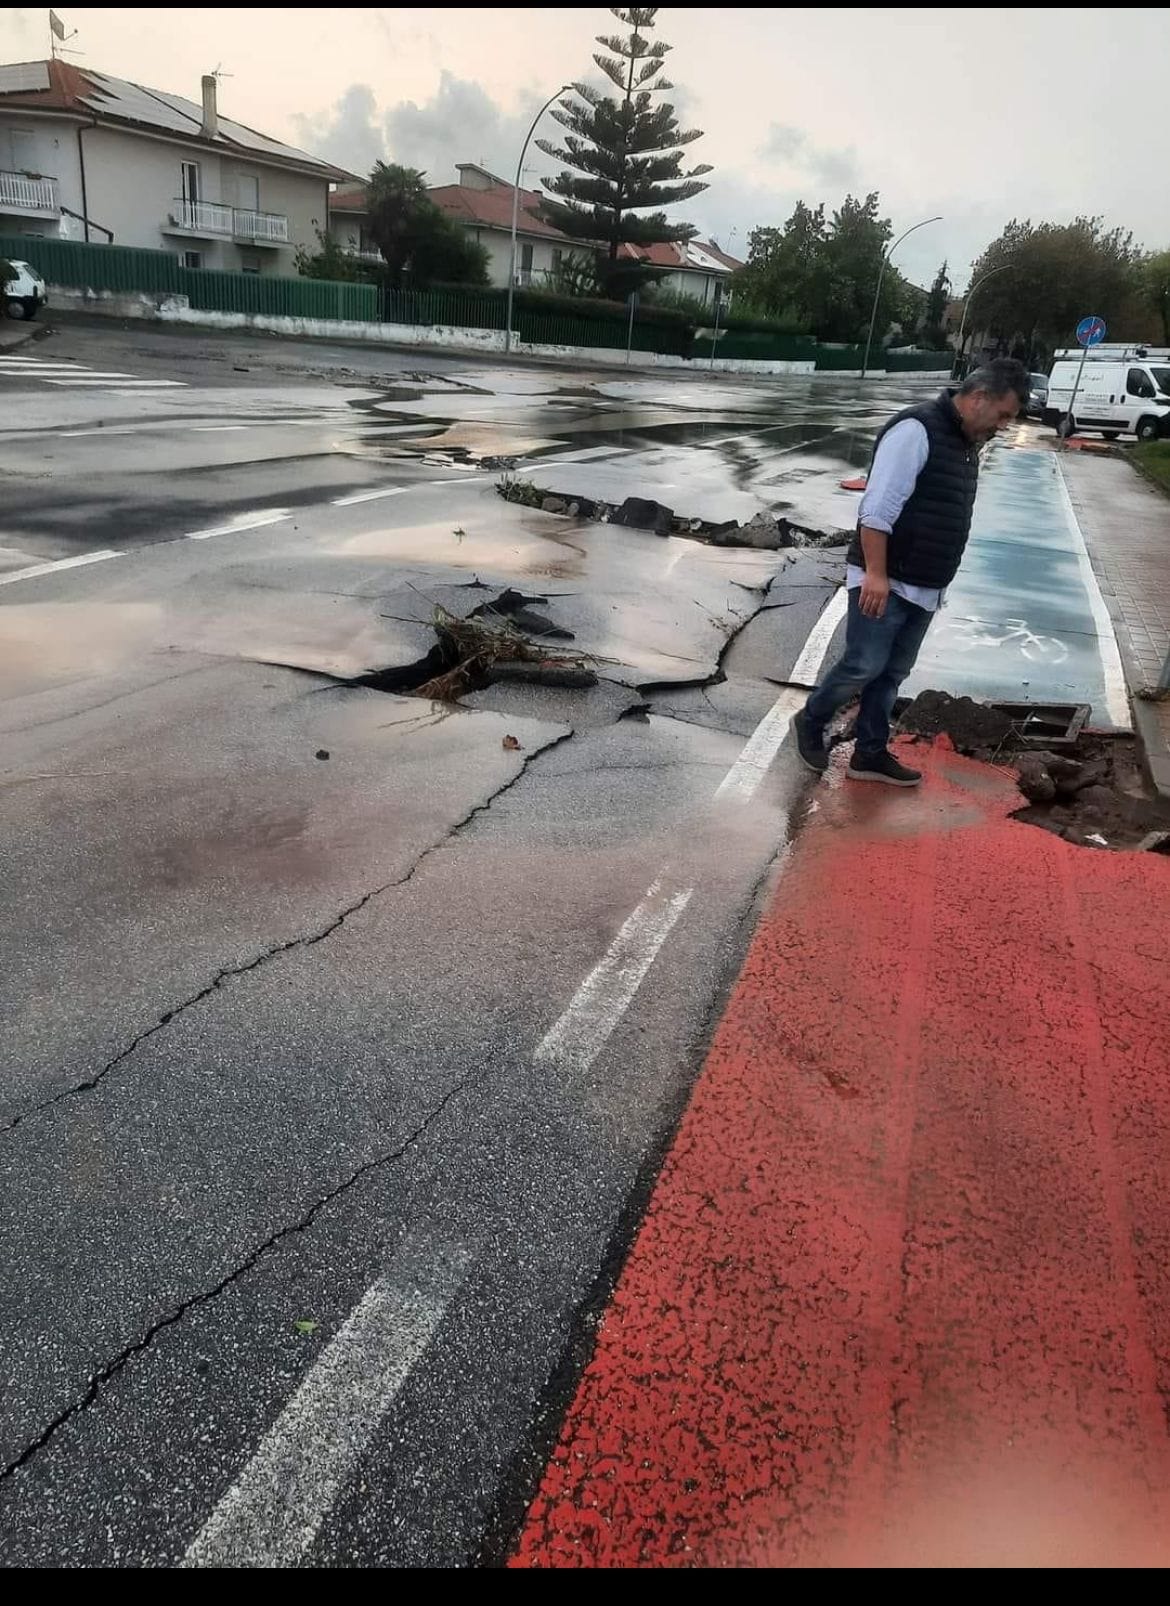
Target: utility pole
[564, 89]
[878, 292]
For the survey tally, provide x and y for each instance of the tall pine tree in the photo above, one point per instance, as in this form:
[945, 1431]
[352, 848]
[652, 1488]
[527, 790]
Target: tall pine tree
[623, 156]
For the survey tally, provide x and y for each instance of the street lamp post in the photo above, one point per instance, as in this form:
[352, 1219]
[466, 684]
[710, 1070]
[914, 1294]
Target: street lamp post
[881, 276]
[966, 305]
[516, 212]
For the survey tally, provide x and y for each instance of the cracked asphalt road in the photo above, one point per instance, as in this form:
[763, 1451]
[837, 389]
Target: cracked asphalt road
[275, 1025]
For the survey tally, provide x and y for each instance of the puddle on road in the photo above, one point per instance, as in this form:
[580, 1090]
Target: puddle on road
[44, 641]
[528, 553]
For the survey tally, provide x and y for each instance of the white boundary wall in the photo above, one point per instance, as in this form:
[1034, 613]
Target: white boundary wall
[176, 309]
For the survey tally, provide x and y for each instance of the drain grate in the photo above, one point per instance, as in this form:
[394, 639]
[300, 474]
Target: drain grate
[1046, 724]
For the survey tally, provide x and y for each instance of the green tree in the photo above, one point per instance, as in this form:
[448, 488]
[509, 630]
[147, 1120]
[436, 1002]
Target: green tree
[1155, 287]
[824, 273]
[328, 261]
[784, 266]
[1059, 272]
[420, 244]
[932, 328]
[622, 157]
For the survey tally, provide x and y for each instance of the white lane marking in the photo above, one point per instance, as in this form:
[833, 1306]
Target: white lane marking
[117, 429]
[369, 496]
[112, 382]
[1116, 694]
[474, 479]
[60, 563]
[245, 521]
[17, 367]
[214, 429]
[745, 775]
[272, 1513]
[812, 655]
[576, 1039]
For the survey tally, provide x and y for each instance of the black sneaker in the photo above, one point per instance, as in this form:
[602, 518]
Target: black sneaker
[882, 767]
[812, 753]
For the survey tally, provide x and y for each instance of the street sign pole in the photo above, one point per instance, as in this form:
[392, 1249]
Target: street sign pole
[1090, 332]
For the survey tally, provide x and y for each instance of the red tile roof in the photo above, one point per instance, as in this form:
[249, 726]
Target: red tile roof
[492, 209]
[85, 92]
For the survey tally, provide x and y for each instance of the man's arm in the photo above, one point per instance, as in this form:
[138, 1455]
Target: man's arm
[896, 466]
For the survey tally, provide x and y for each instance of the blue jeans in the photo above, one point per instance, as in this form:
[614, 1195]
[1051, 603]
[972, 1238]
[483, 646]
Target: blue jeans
[879, 654]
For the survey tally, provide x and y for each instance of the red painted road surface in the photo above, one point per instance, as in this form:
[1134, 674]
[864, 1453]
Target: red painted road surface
[902, 1295]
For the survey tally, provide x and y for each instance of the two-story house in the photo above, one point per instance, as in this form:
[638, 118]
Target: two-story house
[84, 156]
[482, 203]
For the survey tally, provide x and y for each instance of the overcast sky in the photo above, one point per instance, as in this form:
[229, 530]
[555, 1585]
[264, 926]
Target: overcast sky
[978, 114]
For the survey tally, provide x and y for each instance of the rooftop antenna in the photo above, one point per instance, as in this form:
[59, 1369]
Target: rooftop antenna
[59, 38]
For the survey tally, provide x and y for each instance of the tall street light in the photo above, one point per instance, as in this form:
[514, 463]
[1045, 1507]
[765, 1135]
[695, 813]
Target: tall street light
[966, 305]
[878, 292]
[564, 89]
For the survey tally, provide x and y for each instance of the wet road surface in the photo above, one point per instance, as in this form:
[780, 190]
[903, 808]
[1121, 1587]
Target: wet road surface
[342, 1033]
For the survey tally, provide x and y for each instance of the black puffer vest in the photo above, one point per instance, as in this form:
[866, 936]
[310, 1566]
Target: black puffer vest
[929, 535]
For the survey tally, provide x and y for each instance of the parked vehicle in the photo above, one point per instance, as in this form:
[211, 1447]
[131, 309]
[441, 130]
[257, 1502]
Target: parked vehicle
[1037, 396]
[1122, 390]
[25, 294]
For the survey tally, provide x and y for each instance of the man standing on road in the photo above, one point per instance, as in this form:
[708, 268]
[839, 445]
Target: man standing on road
[913, 524]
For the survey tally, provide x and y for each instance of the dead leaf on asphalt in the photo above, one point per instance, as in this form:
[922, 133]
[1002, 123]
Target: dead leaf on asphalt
[512, 745]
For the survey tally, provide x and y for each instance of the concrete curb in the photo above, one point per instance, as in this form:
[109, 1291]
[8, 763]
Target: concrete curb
[1154, 752]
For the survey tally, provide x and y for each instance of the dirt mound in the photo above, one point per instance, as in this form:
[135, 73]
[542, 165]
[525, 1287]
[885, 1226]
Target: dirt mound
[972, 728]
[1093, 793]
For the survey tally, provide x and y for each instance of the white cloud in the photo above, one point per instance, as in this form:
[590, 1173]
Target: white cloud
[824, 164]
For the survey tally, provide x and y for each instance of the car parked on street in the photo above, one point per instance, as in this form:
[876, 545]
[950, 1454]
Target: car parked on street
[1037, 396]
[24, 292]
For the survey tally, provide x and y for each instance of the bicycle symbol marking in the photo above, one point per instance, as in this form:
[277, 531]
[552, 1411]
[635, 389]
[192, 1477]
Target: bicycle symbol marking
[968, 634]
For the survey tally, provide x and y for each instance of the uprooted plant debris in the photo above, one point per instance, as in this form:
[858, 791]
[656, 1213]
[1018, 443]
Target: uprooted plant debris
[764, 531]
[492, 644]
[1092, 794]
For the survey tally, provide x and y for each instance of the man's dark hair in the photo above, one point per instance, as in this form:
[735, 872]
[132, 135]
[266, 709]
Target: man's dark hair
[997, 378]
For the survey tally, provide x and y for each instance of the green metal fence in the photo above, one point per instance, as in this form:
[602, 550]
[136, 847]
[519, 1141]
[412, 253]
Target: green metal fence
[912, 362]
[210, 290]
[764, 346]
[831, 358]
[456, 308]
[126, 269]
[563, 329]
[119, 268]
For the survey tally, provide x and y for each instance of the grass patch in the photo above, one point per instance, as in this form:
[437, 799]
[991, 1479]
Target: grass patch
[1153, 458]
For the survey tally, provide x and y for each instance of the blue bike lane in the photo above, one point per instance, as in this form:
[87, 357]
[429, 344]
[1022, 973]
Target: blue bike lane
[1025, 620]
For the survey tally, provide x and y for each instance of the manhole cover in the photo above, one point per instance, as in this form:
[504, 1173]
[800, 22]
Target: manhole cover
[1046, 724]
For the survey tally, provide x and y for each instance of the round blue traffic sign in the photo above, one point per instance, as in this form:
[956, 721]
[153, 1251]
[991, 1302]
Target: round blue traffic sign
[1091, 331]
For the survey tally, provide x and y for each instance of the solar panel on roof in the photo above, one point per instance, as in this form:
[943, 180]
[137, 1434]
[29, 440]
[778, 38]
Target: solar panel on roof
[23, 77]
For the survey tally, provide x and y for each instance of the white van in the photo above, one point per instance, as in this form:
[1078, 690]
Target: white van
[1122, 390]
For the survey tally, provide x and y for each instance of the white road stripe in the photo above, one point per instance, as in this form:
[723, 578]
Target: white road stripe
[214, 429]
[807, 667]
[60, 563]
[111, 381]
[246, 521]
[271, 1515]
[1116, 694]
[369, 496]
[78, 434]
[745, 775]
[576, 1039]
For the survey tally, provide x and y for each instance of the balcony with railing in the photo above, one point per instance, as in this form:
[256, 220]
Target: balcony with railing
[261, 228]
[201, 217]
[210, 220]
[28, 196]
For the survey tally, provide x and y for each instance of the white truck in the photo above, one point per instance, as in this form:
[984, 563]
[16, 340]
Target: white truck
[1121, 390]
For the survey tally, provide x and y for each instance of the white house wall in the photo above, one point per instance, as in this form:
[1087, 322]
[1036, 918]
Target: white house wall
[48, 149]
[133, 181]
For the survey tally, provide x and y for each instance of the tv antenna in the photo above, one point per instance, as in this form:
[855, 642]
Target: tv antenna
[59, 37]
